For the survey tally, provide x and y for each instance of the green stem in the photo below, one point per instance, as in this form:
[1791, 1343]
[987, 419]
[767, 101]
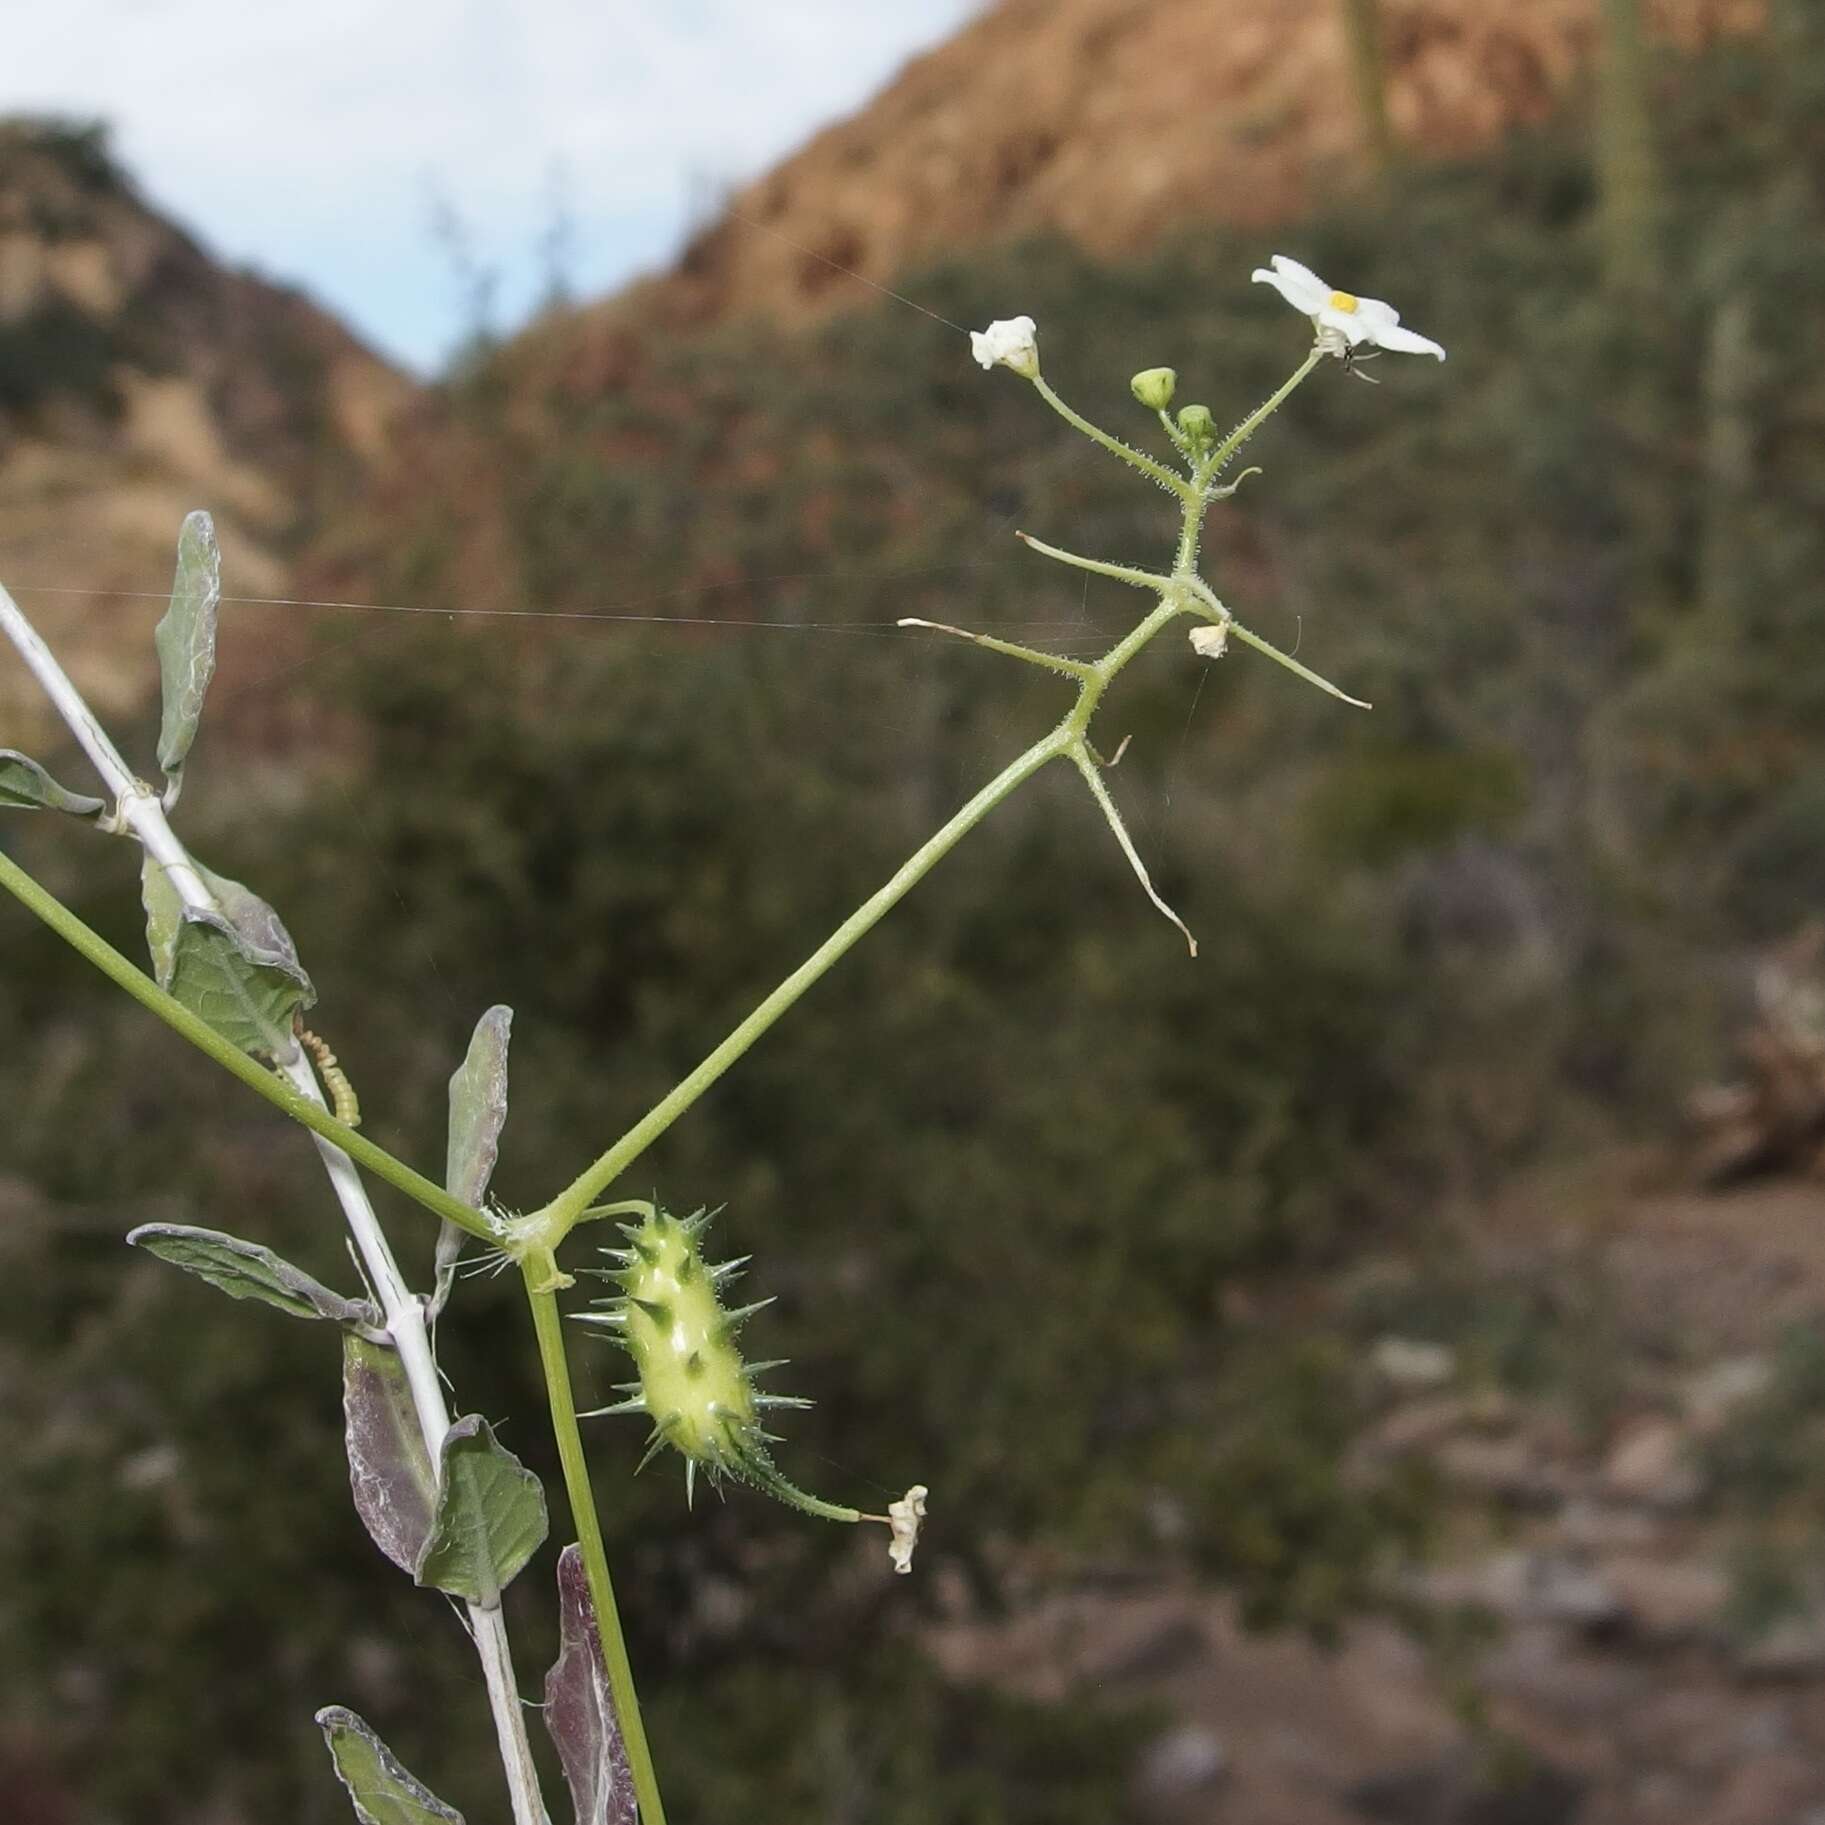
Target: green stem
[267, 1083]
[1292, 665]
[1122, 573]
[1185, 559]
[1125, 649]
[1173, 484]
[1219, 458]
[581, 1495]
[1051, 662]
[565, 1209]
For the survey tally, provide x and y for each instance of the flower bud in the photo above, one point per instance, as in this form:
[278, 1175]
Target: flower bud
[1153, 387]
[1196, 424]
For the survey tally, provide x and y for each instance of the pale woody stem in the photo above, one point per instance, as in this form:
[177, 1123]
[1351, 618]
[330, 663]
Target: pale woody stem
[404, 1313]
[405, 1322]
[136, 804]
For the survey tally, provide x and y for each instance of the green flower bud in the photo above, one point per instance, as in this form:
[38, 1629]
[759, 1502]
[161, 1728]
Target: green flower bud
[1153, 387]
[1196, 424]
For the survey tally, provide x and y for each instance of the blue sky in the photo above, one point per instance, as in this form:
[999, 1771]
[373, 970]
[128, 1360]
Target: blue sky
[320, 143]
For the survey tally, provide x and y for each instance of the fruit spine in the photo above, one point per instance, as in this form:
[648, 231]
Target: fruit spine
[693, 1384]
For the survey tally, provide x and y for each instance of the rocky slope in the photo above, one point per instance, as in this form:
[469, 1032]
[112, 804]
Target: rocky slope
[139, 379]
[1114, 121]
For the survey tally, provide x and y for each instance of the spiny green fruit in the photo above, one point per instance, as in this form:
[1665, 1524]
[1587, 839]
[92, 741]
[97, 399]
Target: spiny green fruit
[693, 1383]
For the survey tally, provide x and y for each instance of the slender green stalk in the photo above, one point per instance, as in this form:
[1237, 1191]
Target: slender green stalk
[1185, 559]
[1122, 573]
[565, 1209]
[1093, 778]
[1219, 458]
[581, 1495]
[1292, 665]
[267, 1083]
[1051, 662]
[1124, 650]
[1173, 484]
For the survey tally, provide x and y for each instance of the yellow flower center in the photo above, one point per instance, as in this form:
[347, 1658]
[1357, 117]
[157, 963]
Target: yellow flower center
[1344, 301]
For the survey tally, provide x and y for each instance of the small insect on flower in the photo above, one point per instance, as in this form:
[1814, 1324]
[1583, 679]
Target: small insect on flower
[700, 1395]
[1344, 322]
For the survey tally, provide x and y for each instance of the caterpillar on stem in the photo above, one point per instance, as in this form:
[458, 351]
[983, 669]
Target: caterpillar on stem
[345, 1104]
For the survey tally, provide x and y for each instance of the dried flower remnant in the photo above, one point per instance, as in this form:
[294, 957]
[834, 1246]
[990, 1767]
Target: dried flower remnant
[904, 1517]
[1009, 342]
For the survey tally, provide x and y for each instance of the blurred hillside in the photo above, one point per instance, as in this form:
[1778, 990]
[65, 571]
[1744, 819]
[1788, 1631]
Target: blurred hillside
[1114, 123]
[1278, 1289]
[138, 378]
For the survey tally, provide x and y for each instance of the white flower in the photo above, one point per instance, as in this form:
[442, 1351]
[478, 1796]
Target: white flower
[904, 1518]
[1343, 320]
[1011, 341]
[1210, 640]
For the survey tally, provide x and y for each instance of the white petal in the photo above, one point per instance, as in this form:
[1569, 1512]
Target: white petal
[1376, 315]
[1010, 341]
[1302, 287]
[1407, 342]
[1291, 294]
[1348, 324]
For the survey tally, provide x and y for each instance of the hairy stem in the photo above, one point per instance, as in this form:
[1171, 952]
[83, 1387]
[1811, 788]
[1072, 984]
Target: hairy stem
[581, 1495]
[1173, 484]
[1219, 458]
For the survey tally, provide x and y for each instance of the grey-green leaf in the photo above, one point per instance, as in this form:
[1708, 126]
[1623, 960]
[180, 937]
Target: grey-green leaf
[381, 1791]
[390, 1473]
[580, 1708]
[25, 786]
[245, 1270]
[237, 966]
[490, 1516]
[478, 1112]
[185, 639]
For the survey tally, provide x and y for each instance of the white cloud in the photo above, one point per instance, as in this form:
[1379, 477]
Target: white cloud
[309, 141]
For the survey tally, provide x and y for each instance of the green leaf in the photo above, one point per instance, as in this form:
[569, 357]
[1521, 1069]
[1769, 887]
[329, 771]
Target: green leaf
[185, 639]
[478, 1112]
[390, 1473]
[236, 967]
[580, 1708]
[379, 1788]
[490, 1517]
[478, 1108]
[245, 1270]
[25, 786]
